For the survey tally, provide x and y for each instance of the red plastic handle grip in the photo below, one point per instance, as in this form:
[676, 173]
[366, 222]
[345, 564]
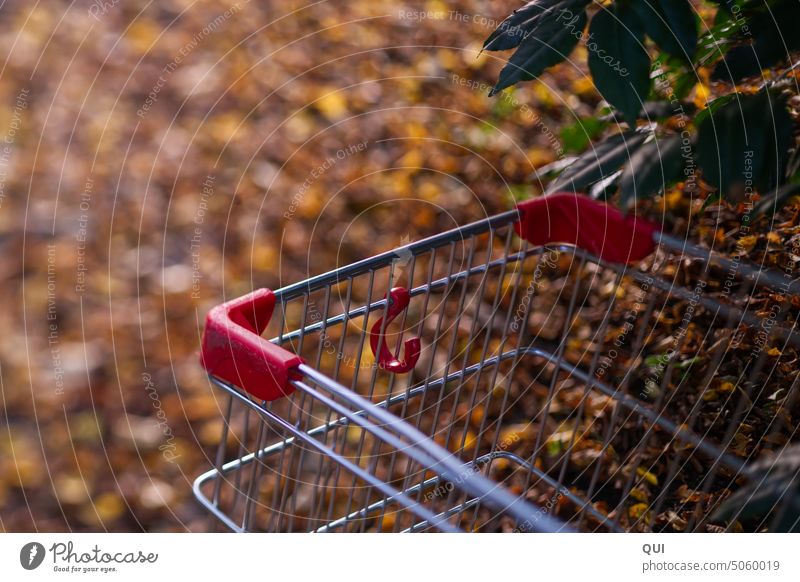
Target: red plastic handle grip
[234, 350]
[595, 227]
[398, 301]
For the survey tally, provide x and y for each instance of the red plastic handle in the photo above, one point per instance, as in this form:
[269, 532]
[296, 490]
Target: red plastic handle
[598, 228]
[398, 301]
[234, 350]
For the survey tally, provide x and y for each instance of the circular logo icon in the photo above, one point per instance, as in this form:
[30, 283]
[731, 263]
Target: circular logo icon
[31, 555]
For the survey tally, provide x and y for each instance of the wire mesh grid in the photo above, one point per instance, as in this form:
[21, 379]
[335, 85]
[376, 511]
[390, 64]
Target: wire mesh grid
[566, 393]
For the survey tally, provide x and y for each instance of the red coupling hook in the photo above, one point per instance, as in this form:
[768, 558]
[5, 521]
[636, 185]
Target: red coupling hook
[398, 301]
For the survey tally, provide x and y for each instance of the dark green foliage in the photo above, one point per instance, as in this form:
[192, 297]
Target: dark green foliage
[652, 167]
[739, 142]
[764, 33]
[548, 41]
[600, 162]
[672, 24]
[772, 493]
[577, 136]
[743, 142]
[525, 21]
[618, 61]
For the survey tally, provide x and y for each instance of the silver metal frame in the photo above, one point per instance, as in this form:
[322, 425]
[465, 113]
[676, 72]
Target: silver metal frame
[349, 409]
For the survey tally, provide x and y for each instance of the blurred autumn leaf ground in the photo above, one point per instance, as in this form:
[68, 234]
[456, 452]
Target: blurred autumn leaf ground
[161, 157]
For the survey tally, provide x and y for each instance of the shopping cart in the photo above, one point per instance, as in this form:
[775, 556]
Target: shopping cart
[527, 372]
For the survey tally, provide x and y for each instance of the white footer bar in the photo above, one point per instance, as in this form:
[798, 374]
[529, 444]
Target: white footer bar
[386, 558]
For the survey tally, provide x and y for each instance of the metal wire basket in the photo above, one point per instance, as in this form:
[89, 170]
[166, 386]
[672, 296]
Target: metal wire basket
[503, 376]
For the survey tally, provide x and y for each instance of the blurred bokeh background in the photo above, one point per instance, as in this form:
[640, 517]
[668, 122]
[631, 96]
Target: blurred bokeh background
[157, 158]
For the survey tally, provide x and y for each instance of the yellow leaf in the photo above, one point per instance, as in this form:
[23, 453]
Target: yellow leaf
[354, 434]
[412, 159]
[142, 34]
[264, 257]
[726, 387]
[477, 415]
[332, 105]
[673, 199]
[223, 127]
[470, 440]
[437, 9]
[583, 86]
[702, 93]
[211, 431]
[415, 129]
[29, 472]
[748, 242]
[544, 95]
[647, 476]
[638, 510]
[516, 433]
[109, 506]
[576, 345]
[774, 238]
[387, 523]
[538, 157]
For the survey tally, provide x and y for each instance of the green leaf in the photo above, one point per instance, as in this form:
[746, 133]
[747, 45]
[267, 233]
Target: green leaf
[520, 192]
[549, 43]
[654, 166]
[713, 106]
[712, 199]
[727, 139]
[654, 361]
[715, 42]
[618, 61]
[600, 162]
[524, 21]
[672, 24]
[577, 136]
[743, 142]
[510, 32]
[767, 40]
